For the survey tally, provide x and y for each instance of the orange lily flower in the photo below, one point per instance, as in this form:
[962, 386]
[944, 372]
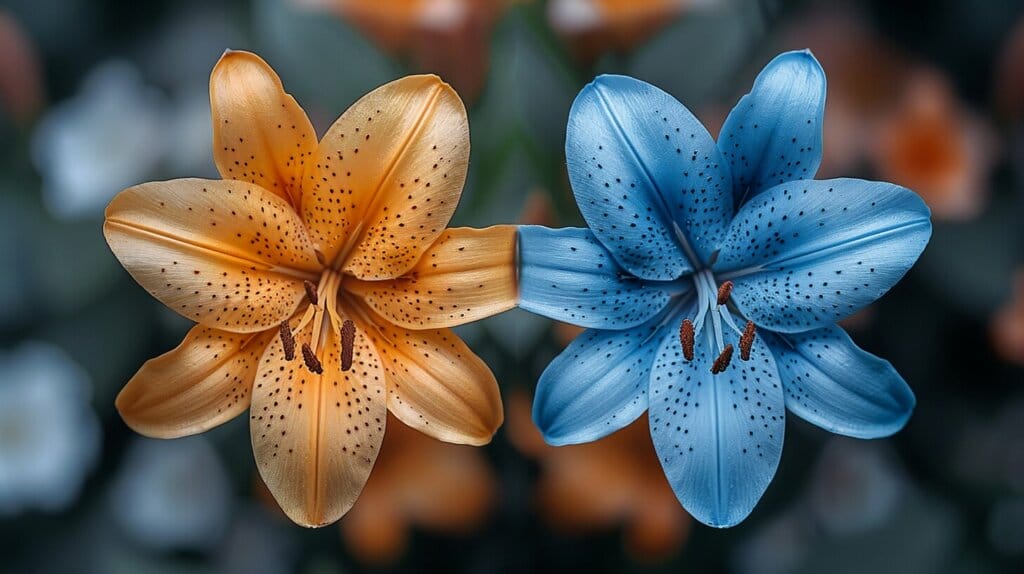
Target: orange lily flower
[323, 282]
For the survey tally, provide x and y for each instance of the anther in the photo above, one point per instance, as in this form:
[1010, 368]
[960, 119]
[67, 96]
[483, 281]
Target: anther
[686, 339]
[747, 340]
[724, 291]
[287, 341]
[348, 340]
[722, 362]
[312, 363]
[310, 292]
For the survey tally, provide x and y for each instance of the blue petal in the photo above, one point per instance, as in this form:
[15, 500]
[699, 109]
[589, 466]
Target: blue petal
[567, 275]
[773, 135]
[806, 254]
[597, 385]
[640, 163]
[832, 383]
[718, 437]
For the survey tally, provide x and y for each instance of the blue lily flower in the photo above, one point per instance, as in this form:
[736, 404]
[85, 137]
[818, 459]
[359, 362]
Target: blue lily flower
[710, 281]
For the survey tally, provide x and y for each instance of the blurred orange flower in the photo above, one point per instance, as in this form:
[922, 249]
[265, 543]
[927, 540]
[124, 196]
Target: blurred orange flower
[594, 27]
[600, 485]
[931, 143]
[1007, 326]
[448, 37]
[417, 483]
[21, 85]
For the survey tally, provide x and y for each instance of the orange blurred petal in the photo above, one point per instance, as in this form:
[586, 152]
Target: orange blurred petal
[21, 86]
[594, 27]
[1007, 327]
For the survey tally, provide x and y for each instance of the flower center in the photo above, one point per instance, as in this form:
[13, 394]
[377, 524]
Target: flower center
[713, 307]
[322, 312]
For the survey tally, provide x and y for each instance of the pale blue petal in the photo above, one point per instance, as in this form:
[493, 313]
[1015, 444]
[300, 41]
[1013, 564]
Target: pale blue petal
[806, 254]
[639, 163]
[567, 275]
[718, 437]
[597, 385]
[773, 135]
[832, 383]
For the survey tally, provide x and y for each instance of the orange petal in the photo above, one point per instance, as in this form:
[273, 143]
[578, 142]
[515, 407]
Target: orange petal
[316, 436]
[204, 382]
[260, 134]
[226, 254]
[436, 384]
[387, 177]
[468, 274]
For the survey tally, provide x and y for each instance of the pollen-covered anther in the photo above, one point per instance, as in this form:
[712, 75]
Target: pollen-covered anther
[686, 338]
[287, 341]
[348, 340]
[312, 363]
[310, 292]
[724, 292]
[747, 340]
[722, 362]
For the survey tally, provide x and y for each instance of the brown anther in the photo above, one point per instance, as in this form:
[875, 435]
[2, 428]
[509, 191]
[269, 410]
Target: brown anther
[310, 292]
[348, 340]
[722, 362]
[312, 363]
[287, 341]
[747, 340]
[724, 291]
[686, 339]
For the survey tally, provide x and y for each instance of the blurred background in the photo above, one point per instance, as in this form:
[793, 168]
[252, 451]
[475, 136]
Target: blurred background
[99, 95]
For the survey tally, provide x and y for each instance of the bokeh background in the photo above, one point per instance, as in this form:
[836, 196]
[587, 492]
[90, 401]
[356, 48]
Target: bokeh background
[96, 96]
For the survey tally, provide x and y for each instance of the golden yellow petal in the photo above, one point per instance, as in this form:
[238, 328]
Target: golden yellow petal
[260, 134]
[387, 177]
[226, 254]
[436, 384]
[316, 436]
[205, 381]
[466, 275]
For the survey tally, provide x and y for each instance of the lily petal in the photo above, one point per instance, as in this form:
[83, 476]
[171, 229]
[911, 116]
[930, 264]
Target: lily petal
[718, 437]
[806, 254]
[226, 254]
[316, 436]
[774, 133]
[568, 275]
[597, 385]
[466, 275]
[387, 177]
[832, 383]
[204, 382]
[640, 163]
[436, 385]
[260, 134]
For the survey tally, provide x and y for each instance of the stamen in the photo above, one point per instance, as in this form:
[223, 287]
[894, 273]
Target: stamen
[686, 339]
[287, 341]
[310, 292]
[724, 291]
[747, 340]
[348, 340]
[312, 363]
[722, 362]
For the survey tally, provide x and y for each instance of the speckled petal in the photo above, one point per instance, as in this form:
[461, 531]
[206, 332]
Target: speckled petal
[226, 254]
[773, 135]
[813, 252]
[567, 275]
[466, 275]
[436, 385]
[597, 385]
[204, 382]
[260, 134]
[316, 436]
[387, 176]
[640, 163]
[718, 437]
[832, 383]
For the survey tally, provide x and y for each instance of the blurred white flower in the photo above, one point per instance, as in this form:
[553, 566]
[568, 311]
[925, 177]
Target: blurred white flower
[107, 137]
[49, 433]
[190, 145]
[172, 494]
[856, 486]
